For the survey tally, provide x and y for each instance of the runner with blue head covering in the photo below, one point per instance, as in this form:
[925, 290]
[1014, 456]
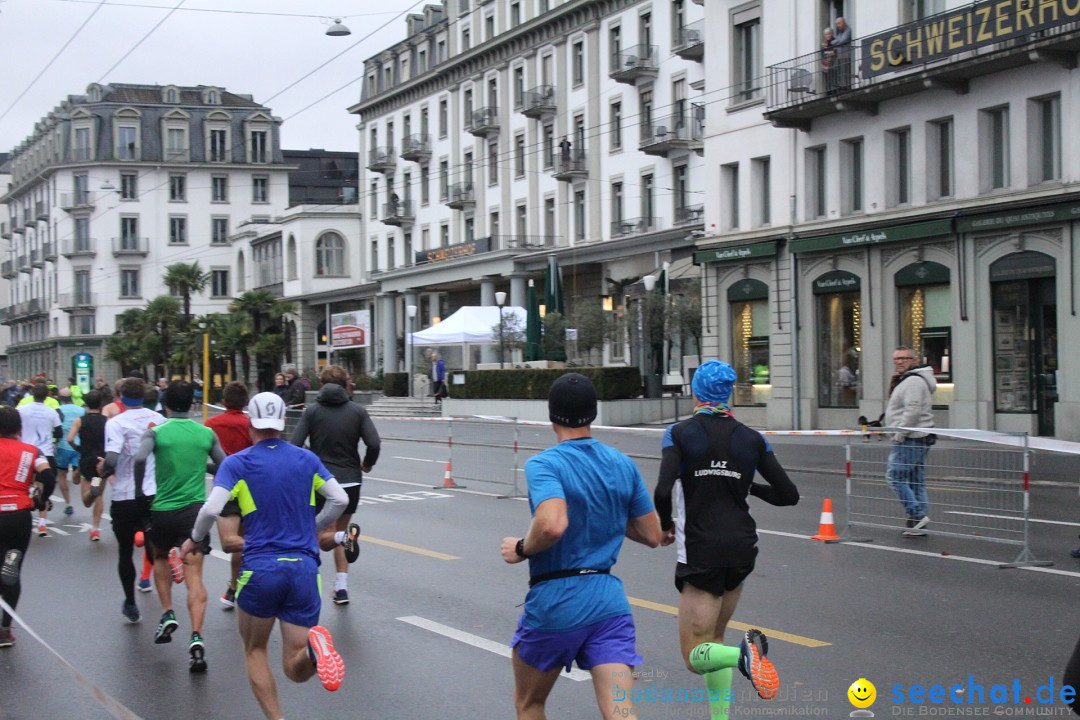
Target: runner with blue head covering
[707, 470]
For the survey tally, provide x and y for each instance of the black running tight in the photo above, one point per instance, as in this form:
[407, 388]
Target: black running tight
[14, 535]
[128, 516]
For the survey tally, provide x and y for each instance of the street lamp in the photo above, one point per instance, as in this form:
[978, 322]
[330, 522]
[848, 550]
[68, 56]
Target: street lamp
[338, 29]
[652, 386]
[500, 300]
[410, 310]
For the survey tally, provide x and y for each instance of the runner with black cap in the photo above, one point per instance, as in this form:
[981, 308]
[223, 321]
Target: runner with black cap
[708, 463]
[585, 497]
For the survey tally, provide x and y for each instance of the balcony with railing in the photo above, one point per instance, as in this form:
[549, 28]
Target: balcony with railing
[523, 242]
[416, 148]
[7, 269]
[78, 247]
[539, 101]
[79, 200]
[569, 167]
[81, 154]
[48, 251]
[5, 230]
[461, 196]
[484, 122]
[689, 214]
[943, 51]
[130, 245]
[17, 227]
[635, 63]
[37, 259]
[23, 311]
[632, 226]
[677, 133]
[23, 263]
[382, 160]
[399, 213]
[77, 301]
[41, 210]
[690, 41]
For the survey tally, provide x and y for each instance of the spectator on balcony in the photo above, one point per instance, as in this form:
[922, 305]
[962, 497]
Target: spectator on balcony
[828, 60]
[842, 43]
[564, 149]
[394, 200]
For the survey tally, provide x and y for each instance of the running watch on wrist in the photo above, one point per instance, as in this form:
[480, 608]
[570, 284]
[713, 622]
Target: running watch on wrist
[520, 548]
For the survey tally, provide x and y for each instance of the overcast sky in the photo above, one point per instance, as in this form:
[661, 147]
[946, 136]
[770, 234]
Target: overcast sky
[254, 54]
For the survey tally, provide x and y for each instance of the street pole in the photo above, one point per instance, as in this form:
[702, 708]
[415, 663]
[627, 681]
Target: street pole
[410, 311]
[500, 300]
[206, 377]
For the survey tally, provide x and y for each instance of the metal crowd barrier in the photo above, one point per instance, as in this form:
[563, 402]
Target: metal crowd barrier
[978, 488]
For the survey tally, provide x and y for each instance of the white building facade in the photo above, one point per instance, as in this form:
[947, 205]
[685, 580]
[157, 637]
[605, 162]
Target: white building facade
[498, 134]
[918, 187]
[111, 188]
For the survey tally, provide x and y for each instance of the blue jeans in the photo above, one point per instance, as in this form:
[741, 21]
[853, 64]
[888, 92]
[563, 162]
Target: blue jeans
[906, 475]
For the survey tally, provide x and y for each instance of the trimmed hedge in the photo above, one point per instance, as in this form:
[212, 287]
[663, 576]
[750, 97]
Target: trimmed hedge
[612, 383]
[396, 384]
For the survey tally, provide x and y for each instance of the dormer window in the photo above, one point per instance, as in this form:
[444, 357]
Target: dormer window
[171, 95]
[93, 94]
[212, 97]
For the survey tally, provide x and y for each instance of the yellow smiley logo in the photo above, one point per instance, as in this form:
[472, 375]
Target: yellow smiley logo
[862, 693]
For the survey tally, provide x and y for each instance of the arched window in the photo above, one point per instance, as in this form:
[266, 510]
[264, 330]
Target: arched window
[330, 254]
[839, 332]
[172, 96]
[926, 315]
[749, 302]
[241, 272]
[290, 258]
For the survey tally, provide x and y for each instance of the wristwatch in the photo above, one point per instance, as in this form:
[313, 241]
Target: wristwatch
[520, 548]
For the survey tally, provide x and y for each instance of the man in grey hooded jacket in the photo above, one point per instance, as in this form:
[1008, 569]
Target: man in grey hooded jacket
[910, 406]
[333, 427]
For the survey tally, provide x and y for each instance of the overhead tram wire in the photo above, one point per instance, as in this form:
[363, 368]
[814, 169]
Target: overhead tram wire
[141, 41]
[54, 58]
[232, 12]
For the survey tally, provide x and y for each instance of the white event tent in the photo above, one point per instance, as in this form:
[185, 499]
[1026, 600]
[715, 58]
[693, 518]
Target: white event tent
[467, 328]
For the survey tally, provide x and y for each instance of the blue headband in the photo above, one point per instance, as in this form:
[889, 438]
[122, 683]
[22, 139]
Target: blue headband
[130, 401]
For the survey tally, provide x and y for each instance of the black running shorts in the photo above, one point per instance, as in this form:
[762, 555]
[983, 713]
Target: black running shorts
[712, 580]
[353, 491]
[170, 528]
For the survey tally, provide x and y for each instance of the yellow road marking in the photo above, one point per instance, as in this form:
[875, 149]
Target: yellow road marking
[408, 548]
[786, 637]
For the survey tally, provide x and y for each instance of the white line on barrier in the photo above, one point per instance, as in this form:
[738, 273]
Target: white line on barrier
[480, 642]
[399, 457]
[113, 706]
[925, 553]
[1011, 517]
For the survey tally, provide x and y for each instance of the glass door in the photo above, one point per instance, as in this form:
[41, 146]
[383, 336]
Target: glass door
[1045, 360]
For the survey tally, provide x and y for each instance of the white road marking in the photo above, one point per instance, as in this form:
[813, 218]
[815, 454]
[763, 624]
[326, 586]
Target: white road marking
[82, 527]
[479, 642]
[462, 491]
[1012, 517]
[926, 553]
[53, 527]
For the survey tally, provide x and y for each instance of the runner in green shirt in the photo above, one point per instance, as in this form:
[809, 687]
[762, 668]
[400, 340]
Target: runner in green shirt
[179, 449]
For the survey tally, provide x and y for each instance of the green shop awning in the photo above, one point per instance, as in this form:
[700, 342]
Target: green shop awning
[736, 252]
[857, 238]
[1019, 218]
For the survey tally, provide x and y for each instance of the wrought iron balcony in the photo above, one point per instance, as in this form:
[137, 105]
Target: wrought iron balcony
[461, 196]
[5, 230]
[79, 200]
[130, 245]
[23, 310]
[78, 247]
[690, 41]
[37, 259]
[416, 148]
[41, 210]
[568, 168]
[24, 264]
[48, 251]
[81, 154]
[381, 160]
[675, 133]
[7, 269]
[539, 101]
[689, 214]
[484, 122]
[943, 51]
[640, 61]
[523, 242]
[399, 214]
[632, 226]
[77, 301]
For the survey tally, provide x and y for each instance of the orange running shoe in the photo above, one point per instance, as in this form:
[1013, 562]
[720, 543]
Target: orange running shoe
[328, 664]
[757, 668]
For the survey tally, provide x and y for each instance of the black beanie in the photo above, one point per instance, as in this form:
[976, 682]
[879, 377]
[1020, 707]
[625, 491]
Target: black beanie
[572, 401]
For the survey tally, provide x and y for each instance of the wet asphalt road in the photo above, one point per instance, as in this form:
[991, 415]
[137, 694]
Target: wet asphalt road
[895, 611]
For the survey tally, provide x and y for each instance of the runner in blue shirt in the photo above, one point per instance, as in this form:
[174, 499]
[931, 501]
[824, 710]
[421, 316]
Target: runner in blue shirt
[274, 482]
[585, 497]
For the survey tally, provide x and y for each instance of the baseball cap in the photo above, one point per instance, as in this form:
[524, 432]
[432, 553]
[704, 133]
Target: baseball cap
[572, 401]
[713, 381]
[267, 411]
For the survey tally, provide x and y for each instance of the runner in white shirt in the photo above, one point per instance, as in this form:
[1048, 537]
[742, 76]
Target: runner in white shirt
[41, 427]
[130, 508]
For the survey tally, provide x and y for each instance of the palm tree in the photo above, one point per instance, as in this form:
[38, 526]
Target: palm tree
[161, 314]
[132, 344]
[185, 279]
[279, 312]
[255, 304]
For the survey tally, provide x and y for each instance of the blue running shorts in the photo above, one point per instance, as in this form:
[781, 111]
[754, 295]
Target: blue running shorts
[606, 641]
[286, 587]
[67, 459]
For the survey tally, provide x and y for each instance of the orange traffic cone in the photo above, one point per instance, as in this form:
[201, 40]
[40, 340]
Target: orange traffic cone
[826, 528]
[448, 482]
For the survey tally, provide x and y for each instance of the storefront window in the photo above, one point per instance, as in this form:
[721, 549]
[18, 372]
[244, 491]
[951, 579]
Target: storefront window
[750, 341]
[839, 331]
[926, 315]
